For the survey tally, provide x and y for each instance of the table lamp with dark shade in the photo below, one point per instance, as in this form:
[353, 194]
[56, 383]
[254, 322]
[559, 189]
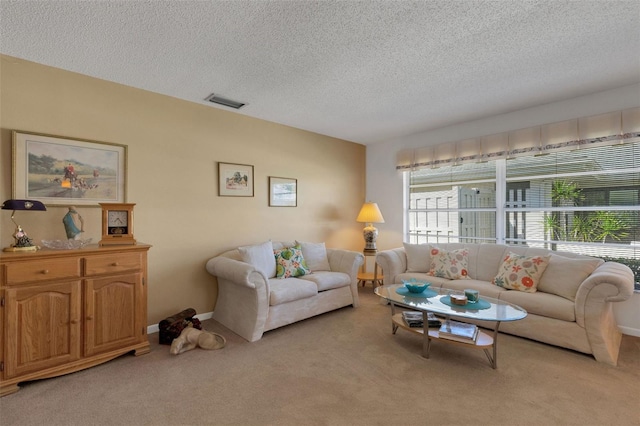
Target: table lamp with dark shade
[22, 241]
[370, 214]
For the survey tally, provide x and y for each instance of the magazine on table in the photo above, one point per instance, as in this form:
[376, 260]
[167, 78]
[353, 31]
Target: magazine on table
[414, 319]
[459, 331]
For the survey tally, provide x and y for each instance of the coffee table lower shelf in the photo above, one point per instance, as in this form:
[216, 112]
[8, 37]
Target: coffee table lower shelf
[484, 341]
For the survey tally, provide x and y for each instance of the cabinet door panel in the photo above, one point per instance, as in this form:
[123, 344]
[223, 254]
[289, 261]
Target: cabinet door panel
[42, 327]
[112, 312]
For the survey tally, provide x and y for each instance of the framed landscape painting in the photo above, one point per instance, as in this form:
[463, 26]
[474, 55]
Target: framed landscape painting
[283, 192]
[235, 180]
[63, 171]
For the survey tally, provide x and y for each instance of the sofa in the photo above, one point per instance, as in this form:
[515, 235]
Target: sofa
[568, 296]
[269, 285]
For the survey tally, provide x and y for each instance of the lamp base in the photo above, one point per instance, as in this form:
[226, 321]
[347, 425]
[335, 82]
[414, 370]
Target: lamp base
[28, 248]
[370, 235]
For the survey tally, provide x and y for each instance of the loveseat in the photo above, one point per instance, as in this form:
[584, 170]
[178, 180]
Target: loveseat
[567, 296]
[265, 286]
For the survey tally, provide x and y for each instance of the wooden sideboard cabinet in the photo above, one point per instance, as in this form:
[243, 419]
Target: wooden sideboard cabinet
[66, 310]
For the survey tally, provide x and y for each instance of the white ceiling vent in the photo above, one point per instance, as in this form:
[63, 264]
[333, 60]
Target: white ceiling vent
[222, 101]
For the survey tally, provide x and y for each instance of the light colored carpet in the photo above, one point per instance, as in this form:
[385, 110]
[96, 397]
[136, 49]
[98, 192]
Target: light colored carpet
[341, 368]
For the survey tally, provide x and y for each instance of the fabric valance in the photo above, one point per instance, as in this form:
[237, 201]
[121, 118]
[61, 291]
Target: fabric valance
[610, 128]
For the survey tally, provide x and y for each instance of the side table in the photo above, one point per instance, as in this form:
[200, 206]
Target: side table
[374, 277]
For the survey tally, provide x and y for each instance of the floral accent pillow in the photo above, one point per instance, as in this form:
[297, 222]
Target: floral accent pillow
[290, 262]
[521, 273]
[453, 265]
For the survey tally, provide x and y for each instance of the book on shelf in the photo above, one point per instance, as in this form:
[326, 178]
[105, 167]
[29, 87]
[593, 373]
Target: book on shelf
[458, 331]
[414, 319]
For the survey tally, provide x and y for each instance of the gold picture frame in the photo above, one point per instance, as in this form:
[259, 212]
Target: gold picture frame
[62, 171]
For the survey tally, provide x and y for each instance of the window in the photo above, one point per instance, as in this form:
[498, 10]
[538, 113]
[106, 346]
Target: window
[584, 201]
[453, 204]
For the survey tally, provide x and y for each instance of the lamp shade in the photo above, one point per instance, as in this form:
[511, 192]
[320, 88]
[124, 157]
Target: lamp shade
[370, 213]
[23, 205]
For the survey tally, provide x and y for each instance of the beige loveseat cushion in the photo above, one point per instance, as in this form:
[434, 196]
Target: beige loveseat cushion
[326, 280]
[564, 275]
[290, 289]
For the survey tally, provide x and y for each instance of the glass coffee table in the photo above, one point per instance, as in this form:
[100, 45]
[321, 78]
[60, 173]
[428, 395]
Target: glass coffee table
[438, 302]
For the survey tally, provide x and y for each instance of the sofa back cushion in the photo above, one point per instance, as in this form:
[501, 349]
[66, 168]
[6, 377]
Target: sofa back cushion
[261, 257]
[482, 259]
[484, 264]
[564, 275]
[315, 254]
[418, 257]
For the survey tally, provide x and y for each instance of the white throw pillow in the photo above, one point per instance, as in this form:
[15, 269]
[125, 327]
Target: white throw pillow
[261, 257]
[418, 257]
[315, 255]
[563, 275]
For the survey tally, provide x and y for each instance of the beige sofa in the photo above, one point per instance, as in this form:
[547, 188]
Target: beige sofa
[252, 300]
[571, 307]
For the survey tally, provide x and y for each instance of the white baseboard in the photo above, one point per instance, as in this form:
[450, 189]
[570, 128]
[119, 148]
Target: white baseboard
[154, 328]
[629, 331]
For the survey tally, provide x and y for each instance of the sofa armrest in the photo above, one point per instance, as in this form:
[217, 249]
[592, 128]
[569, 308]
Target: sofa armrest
[393, 263]
[345, 261]
[610, 282]
[243, 297]
[236, 271]
[348, 262]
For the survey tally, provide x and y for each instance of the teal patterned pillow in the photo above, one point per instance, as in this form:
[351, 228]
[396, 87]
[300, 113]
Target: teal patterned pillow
[290, 262]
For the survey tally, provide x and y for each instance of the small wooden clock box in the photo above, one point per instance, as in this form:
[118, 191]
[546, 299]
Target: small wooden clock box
[117, 224]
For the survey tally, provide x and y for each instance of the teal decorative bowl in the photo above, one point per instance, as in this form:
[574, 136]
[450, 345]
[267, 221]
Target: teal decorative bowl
[415, 286]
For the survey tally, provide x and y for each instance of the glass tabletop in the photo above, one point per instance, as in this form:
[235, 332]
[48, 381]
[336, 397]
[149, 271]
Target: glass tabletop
[432, 301]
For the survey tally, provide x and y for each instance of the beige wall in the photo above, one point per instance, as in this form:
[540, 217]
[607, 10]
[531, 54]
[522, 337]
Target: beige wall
[173, 150]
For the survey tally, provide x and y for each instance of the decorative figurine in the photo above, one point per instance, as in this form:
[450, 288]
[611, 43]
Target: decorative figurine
[71, 222]
[21, 238]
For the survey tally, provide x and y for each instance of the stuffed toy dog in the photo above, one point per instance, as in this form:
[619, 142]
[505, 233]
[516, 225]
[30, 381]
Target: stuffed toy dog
[191, 338]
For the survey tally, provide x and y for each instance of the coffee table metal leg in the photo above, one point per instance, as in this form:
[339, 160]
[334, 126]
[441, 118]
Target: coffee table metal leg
[394, 327]
[493, 359]
[426, 342]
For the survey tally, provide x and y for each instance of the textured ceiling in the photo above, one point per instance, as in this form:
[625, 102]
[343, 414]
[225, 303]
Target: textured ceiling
[365, 71]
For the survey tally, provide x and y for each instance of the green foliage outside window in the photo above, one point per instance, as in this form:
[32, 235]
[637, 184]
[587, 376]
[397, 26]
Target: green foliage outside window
[634, 264]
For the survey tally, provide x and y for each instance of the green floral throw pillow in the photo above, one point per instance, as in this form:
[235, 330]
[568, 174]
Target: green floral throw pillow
[521, 273]
[290, 262]
[452, 265]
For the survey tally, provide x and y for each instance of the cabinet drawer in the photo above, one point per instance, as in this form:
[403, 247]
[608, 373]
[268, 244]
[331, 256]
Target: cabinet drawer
[43, 270]
[98, 265]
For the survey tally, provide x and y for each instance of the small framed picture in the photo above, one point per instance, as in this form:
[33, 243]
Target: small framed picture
[283, 192]
[235, 180]
[60, 171]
